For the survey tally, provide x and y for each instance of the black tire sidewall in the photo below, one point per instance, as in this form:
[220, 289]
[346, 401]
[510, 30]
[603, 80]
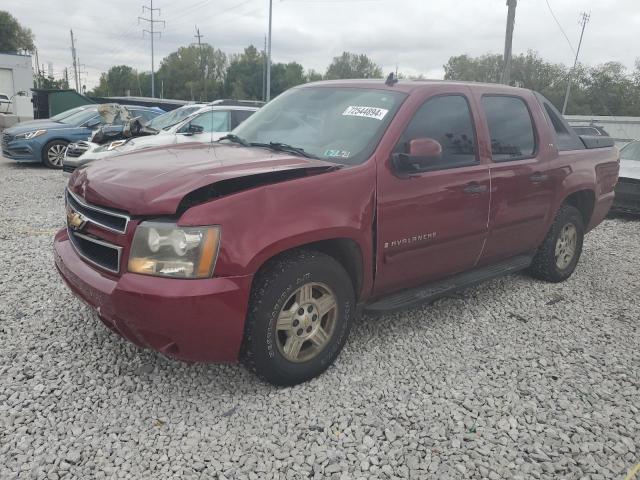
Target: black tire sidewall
[45, 151]
[267, 305]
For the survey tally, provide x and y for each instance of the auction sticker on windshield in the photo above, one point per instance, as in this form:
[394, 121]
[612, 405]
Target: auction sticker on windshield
[367, 112]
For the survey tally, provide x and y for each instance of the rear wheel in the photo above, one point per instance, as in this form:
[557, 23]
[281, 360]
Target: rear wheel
[299, 317]
[53, 153]
[560, 251]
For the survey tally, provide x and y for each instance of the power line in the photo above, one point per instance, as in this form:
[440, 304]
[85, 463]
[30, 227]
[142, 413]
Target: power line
[560, 27]
[152, 34]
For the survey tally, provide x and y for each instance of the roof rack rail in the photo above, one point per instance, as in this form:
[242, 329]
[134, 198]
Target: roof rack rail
[237, 103]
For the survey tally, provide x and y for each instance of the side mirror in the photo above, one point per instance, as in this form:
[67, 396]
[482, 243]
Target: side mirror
[194, 129]
[422, 153]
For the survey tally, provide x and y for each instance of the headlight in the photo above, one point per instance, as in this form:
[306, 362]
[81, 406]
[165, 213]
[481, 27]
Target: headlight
[166, 250]
[30, 135]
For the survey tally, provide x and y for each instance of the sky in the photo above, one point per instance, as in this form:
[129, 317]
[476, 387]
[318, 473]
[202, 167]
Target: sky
[417, 36]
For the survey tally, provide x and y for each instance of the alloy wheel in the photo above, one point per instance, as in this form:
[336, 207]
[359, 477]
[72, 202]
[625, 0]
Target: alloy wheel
[55, 154]
[566, 246]
[306, 322]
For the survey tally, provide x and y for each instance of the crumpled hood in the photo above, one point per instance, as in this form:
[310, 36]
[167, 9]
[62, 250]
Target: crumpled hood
[153, 181]
[630, 169]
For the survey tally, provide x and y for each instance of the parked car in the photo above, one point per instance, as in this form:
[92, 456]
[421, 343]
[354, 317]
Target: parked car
[5, 103]
[199, 123]
[334, 198]
[46, 141]
[628, 187]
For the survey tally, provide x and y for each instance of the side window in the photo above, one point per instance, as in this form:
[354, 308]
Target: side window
[566, 138]
[213, 121]
[510, 126]
[145, 114]
[239, 116]
[447, 120]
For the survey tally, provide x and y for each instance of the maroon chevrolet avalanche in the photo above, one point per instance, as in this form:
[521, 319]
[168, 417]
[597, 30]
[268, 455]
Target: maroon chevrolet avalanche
[336, 197]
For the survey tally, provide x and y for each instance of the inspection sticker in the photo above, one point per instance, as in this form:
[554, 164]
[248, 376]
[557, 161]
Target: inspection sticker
[337, 154]
[367, 112]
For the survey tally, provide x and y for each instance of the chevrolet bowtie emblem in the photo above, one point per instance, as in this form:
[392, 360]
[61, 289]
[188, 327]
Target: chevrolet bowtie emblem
[75, 220]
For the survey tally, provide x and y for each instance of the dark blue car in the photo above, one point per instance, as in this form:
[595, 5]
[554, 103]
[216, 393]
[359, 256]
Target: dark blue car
[46, 141]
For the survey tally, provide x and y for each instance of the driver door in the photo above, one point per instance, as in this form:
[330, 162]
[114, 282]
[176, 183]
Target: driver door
[432, 218]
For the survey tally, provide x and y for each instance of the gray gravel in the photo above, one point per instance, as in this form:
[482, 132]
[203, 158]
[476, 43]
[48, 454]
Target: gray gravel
[515, 379]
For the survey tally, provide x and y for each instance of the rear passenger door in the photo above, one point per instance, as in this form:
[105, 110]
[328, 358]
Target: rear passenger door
[521, 184]
[432, 222]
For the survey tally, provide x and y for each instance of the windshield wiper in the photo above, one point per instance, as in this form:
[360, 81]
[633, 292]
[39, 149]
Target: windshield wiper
[235, 139]
[284, 147]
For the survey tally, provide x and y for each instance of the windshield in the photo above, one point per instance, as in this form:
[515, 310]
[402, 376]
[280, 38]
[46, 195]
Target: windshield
[339, 124]
[80, 117]
[631, 151]
[171, 118]
[66, 113]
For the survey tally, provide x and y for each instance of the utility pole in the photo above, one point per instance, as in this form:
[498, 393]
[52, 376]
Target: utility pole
[508, 42]
[75, 63]
[204, 77]
[66, 77]
[264, 70]
[268, 96]
[37, 70]
[584, 19]
[151, 22]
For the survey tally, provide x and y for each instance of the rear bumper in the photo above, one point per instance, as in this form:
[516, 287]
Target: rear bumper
[627, 196]
[192, 320]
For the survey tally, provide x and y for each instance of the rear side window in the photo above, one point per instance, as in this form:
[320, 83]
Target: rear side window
[511, 128]
[448, 120]
[239, 116]
[565, 137]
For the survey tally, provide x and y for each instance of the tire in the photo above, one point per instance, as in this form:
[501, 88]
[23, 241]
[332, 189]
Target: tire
[300, 281]
[558, 257]
[53, 153]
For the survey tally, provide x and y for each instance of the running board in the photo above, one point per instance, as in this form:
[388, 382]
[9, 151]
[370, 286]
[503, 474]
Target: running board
[442, 288]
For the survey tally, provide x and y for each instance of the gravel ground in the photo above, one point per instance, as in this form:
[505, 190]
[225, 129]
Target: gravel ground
[516, 379]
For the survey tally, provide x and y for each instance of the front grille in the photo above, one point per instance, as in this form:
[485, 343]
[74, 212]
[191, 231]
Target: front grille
[96, 252]
[74, 150]
[108, 219]
[69, 168]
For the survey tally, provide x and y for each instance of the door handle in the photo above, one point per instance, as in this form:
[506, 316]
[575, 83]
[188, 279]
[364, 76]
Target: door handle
[538, 177]
[474, 188]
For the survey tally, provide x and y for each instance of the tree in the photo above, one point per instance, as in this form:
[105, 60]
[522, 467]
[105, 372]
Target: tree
[244, 78]
[351, 65]
[182, 73]
[120, 80]
[45, 81]
[313, 76]
[285, 76]
[13, 36]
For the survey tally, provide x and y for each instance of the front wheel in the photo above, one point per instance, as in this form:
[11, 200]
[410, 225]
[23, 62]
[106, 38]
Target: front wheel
[560, 251]
[300, 313]
[53, 153]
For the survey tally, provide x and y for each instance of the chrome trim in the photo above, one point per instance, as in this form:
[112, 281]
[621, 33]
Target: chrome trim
[126, 218]
[118, 249]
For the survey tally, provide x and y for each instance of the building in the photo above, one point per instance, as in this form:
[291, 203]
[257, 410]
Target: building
[16, 75]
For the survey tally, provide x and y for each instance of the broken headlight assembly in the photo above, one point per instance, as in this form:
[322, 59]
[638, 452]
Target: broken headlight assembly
[166, 250]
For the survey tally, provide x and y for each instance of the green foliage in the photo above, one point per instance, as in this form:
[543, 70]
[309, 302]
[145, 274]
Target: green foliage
[352, 65]
[244, 78]
[191, 71]
[13, 36]
[602, 90]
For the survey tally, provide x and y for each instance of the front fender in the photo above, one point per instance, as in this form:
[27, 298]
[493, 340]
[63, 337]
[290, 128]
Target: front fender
[260, 223]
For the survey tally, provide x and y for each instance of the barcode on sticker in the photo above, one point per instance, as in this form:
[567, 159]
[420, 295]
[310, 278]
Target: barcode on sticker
[367, 112]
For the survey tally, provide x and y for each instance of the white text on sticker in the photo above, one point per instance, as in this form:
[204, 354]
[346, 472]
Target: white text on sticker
[367, 112]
